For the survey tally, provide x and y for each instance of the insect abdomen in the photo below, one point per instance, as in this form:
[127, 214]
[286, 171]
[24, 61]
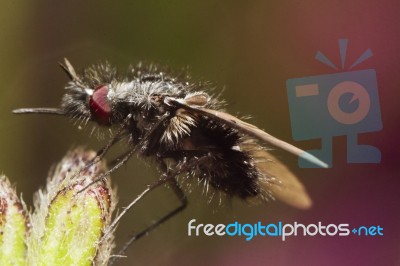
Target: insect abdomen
[227, 168]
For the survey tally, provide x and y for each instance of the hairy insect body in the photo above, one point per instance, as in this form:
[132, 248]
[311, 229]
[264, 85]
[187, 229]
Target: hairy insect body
[183, 137]
[170, 118]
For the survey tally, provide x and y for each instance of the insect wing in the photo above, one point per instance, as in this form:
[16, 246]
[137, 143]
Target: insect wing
[281, 183]
[248, 129]
[284, 185]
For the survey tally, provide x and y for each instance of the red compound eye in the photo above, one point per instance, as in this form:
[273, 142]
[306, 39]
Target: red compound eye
[99, 106]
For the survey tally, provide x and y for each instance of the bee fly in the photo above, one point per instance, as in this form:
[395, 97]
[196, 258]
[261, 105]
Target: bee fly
[173, 120]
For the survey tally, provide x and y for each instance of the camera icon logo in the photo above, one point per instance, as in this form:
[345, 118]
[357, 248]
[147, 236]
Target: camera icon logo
[358, 92]
[344, 103]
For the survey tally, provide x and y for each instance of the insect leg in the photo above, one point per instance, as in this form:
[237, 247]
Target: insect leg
[117, 137]
[183, 203]
[170, 178]
[126, 156]
[102, 152]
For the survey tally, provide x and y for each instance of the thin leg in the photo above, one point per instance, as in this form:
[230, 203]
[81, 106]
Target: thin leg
[102, 152]
[126, 209]
[128, 154]
[113, 162]
[170, 178]
[183, 203]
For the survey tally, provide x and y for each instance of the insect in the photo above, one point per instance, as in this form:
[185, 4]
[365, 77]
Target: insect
[174, 121]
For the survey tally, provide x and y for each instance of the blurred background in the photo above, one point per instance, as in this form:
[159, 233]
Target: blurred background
[250, 49]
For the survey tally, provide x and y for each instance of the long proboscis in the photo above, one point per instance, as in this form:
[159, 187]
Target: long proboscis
[250, 130]
[49, 111]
